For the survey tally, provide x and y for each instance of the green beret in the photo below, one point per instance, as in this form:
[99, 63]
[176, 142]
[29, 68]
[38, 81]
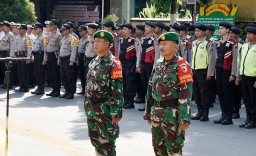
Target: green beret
[104, 34]
[169, 36]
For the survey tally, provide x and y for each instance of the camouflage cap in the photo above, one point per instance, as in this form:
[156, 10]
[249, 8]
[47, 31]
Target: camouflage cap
[104, 35]
[169, 36]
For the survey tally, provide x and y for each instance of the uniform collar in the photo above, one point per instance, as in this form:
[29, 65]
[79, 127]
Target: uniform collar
[105, 58]
[174, 59]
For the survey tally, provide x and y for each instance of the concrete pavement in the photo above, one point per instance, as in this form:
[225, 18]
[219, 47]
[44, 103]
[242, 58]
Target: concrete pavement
[41, 125]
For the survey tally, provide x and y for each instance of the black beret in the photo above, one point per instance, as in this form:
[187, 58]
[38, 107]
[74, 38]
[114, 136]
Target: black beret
[176, 27]
[201, 27]
[225, 24]
[65, 26]
[167, 28]
[251, 29]
[183, 27]
[141, 27]
[6, 23]
[82, 27]
[23, 26]
[70, 24]
[38, 25]
[149, 23]
[159, 24]
[235, 30]
[93, 25]
[128, 25]
[109, 24]
[53, 22]
[191, 28]
[210, 27]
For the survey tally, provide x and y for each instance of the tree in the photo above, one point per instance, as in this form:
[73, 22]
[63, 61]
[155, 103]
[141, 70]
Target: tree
[22, 11]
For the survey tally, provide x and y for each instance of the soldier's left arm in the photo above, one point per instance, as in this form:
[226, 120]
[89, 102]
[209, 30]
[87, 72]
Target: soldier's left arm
[74, 46]
[234, 60]
[185, 94]
[116, 84]
[212, 58]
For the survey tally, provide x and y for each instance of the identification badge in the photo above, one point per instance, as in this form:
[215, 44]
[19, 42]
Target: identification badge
[150, 42]
[227, 44]
[129, 40]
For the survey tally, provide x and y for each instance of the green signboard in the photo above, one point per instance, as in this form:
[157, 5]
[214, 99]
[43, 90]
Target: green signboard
[216, 13]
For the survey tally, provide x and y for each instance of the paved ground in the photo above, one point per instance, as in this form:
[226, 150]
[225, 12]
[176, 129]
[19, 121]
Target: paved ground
[41, 125]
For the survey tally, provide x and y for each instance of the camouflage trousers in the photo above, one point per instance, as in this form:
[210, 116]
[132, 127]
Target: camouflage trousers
[167, 138]
[103, 134]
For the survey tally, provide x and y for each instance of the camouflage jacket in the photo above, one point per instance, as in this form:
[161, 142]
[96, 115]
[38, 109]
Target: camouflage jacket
[104, 89]
[170, 81]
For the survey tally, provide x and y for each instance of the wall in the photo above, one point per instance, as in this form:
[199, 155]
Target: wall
[246, 9]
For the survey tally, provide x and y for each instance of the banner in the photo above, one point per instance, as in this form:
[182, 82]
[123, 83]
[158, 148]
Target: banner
[216, 13]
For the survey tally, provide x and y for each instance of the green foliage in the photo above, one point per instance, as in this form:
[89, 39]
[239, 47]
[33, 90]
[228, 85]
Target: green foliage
[165, 5]
[21, 11]
[148, 12]
[111, 17]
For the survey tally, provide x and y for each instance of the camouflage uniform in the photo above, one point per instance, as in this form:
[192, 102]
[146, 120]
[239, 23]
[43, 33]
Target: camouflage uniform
[168, 104]
[104, 101]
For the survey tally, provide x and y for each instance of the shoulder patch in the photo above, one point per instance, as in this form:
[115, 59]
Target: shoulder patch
[29, 42]
[117, 70]
[74, 41]
[184, 72]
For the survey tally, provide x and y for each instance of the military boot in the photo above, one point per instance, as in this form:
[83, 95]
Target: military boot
[236, 114]
[129, 105]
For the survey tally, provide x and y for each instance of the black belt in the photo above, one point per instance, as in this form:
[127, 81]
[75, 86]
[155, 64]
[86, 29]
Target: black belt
[37, 52]
[63, 58]
[21, 54]
[100, 100]
[81, 54]
[166, 104]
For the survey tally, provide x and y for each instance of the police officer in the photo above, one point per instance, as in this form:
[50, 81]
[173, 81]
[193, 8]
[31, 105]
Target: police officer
[169, 98]
[159, 26]
[71, 25]
[81, 55]
[21, 51]
[234, 33]
[51, 52]
[89, 50]
[128, 48]
[67, 61]
[104, 96]
[213, 90]
[7, 46]
[247, 72]
[226, 68]
[185, 43]
[203, 66]
[109, 26]
[140, 98]
[38, 55]
[148, 49]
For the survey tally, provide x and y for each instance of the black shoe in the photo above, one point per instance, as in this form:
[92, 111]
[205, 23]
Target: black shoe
[139, 100]
[227, 121]
[34, 92]
[63, 95]
[242, 125]
[236, 115]
[56, 94]
[51, 93]
[70, 96]
[40, 92]
[196, 116]
[204, 118]
[129, 105]
[250, 125]
[220, 120]
[81, 93]
[31, 86]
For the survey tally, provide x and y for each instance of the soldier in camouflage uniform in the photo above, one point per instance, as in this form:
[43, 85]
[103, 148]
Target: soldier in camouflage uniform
[104, 96]
[168, 98]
